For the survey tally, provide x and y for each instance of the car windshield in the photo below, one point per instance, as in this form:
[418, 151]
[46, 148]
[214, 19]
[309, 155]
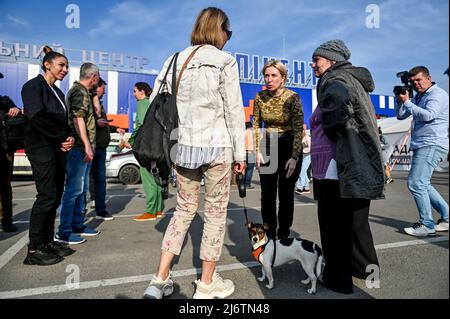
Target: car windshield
[113, 149]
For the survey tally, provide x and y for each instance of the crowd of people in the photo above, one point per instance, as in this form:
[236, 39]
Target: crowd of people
[66, 138]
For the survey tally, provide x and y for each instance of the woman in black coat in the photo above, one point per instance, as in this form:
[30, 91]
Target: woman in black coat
[47, 141]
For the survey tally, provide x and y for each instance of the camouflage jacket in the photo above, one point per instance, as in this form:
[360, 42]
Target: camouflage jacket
[79, 104]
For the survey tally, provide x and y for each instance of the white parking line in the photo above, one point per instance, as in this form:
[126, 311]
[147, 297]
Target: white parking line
[13, 250]
[142, 195]
[412, 242]
[169, 213]
[177, 273]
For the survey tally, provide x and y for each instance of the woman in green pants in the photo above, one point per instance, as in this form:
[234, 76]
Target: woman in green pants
[153, 191]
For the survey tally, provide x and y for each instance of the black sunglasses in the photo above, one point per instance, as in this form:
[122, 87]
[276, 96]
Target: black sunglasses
[229, 34]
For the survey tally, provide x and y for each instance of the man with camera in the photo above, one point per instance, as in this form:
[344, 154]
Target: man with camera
[429, 143]
[9, 109]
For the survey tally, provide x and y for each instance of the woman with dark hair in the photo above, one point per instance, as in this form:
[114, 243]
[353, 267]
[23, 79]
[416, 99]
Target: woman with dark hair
[153, 192]
[211, 140]
[47, 141]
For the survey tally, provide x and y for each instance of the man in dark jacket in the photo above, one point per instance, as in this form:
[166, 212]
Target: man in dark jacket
[7, 106]
[348, 121]
[103, 132]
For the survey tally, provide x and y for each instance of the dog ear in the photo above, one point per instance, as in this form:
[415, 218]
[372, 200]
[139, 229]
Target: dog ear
[266, 226]
[249, 225]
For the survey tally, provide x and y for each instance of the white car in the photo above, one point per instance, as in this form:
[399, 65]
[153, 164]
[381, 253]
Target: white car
[22, 165]
[122, 164]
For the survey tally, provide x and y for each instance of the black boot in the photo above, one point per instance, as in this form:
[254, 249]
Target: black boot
[60, 249]
[42, 257]
[9, 227]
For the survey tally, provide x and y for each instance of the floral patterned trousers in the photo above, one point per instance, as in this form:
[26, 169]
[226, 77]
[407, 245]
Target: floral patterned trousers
[217, 177]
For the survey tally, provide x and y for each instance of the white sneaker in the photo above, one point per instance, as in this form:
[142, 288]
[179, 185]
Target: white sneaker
[218, 288]
[441, 225]
[159, 288]
[419, 230]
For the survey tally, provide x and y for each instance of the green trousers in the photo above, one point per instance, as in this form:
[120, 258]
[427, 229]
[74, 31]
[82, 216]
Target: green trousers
[152, 191]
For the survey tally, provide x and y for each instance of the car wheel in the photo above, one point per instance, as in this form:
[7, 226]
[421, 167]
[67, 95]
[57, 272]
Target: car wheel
[129, 174]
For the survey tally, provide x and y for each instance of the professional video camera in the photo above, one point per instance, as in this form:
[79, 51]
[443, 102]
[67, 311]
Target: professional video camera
[407, 85]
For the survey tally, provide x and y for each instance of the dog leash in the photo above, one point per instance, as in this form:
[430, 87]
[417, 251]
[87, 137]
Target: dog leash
[242, 194]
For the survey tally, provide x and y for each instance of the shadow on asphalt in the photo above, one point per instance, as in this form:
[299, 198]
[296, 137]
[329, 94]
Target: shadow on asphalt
[287, 277]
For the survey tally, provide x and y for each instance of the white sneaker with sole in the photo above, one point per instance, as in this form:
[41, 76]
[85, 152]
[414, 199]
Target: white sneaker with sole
[441, 225]
[159, 288]
[419, 230]
[218, 288]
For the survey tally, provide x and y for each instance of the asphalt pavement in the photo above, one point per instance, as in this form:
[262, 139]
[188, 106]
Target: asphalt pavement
[119, 263]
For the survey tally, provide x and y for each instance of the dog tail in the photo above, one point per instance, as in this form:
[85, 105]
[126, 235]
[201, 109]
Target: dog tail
[319, 266]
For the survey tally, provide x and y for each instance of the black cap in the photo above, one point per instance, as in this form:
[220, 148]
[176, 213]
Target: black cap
[1, 76]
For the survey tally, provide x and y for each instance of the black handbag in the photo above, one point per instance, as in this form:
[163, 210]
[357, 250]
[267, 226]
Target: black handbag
[154, 141]
[11, 132]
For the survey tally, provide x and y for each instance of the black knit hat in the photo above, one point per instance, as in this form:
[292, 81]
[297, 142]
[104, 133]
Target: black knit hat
[334, 50]
[1, 75]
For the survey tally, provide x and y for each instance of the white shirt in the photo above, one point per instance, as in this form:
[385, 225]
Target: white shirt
[57, 96]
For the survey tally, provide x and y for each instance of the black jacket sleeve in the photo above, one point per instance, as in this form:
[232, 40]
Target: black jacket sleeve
[6, 103]
[336, 108]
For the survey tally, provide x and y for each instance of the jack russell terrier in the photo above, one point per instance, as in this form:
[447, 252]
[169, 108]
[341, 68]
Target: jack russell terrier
[271, 253]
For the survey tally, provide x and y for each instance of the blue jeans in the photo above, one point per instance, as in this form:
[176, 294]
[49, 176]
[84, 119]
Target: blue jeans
[424, 161]
[74, 197]
[303, 180]
[251, 163]
[99, 178]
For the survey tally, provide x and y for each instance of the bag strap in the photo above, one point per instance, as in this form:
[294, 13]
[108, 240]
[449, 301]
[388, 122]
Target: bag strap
[185, 64]
[164, 80]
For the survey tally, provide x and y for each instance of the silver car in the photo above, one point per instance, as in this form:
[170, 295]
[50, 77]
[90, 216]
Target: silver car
[122, 164]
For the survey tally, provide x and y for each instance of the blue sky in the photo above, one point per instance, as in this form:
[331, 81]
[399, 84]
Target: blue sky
[411, 32]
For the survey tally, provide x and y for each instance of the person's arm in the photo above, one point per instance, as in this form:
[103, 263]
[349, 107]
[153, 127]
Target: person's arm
[234, 111]
[256, 123]
[79, 105]
[7, 105]
[80, 127]
[297, 124]
[433, 107]
[336, 107]
[308, 143]
[140, 115]
[97, 106]
[401, 111]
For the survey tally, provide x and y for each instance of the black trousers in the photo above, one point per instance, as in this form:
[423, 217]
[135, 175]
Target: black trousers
[345, 235]
[49, 169]
[6, 170]
[269, 185]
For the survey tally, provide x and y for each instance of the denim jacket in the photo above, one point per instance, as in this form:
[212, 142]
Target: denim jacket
[209, 100]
